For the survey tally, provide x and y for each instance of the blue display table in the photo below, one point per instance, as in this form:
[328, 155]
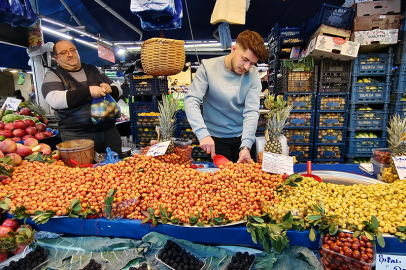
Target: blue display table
[231, 235]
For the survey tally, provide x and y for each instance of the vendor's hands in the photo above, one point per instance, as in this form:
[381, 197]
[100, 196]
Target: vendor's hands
[245, 156]
[106, 88]
[96, 91]
[207, 144]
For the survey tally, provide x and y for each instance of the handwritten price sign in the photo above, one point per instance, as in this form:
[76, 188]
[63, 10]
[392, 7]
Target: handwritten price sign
[391, 262]
[400, 164]
[158, 149]
[275, 163]
[11, 104]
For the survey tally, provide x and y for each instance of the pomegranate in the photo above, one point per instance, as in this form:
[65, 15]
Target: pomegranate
[12, 223]
[4, 231]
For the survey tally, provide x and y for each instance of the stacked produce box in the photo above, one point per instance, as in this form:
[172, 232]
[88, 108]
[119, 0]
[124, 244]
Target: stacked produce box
[332, 111]
[281, 42]
[369, 105]
[145, 93]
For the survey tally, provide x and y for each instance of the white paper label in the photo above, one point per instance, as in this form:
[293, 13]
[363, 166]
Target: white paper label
[158, 149]
[278, 164]
[400, 164]
[391, 262]
[12, 104]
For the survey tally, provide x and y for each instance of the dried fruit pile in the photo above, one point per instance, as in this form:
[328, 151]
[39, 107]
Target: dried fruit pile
[232, 191]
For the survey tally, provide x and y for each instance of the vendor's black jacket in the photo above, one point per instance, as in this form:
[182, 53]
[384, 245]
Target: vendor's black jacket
[77, 117]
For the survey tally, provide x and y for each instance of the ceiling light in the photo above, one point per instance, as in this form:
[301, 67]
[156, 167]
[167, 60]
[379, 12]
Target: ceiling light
[1, 68]
[29, 72]
[120, 51]
[13, 71]
[136, 48]
[207, 45]
[56, 33]
[52, 21]
[86, 43]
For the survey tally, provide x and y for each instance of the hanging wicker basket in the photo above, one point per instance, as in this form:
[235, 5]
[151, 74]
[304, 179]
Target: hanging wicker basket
[162, 57]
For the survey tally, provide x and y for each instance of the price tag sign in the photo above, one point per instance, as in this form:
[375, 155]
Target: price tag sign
[278, 164]
[158, 149]
[11, 104]
[400, 164]
[391, 262]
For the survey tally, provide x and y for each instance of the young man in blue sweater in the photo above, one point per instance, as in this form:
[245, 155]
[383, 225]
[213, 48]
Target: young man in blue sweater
[229, 87]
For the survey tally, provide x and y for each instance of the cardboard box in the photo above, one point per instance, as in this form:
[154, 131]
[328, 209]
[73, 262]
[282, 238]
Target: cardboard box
[322, 47]
[326, 30]
[382, 22]
[376, 37]
[377, 7]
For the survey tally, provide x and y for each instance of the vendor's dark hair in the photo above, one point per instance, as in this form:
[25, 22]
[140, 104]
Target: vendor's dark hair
[138, 64]
[252, 40]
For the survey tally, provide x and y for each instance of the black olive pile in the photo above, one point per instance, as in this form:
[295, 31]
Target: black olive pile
[241, 261]
[144, 266]
[92, 265]
[178, 258]
[30, 261]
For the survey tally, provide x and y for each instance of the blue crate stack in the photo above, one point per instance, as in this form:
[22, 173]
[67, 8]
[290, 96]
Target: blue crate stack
[280, 43]
[398, 90]
[369, 104]
[299, 129]
[145, 93]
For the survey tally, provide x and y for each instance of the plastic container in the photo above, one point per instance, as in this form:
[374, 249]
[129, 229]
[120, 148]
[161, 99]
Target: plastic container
[119, 210]
[378, 92]
[399, 82]
[140, 107]
[148, 85]
[280, 44]
[382, 155]
[339, 17]
[181, 143]
[331, 119]
[373, 64]
[299, 81]
[362, 147]
[378, 167]
[301, 152]
[330, 135]
[329, 151]
[340, 260]
[301, 101]
[367, 120]
[229, 260]
[335, 76]
[160, 251]
[333, 102]
[299, 136]
[286, 32]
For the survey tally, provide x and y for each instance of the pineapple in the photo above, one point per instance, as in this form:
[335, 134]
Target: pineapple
[274, 105]
[167, 109]
[396, 138]
[275, 127]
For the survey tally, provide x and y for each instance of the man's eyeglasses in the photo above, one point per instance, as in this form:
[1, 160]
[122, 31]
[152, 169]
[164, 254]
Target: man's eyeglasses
[63, 53]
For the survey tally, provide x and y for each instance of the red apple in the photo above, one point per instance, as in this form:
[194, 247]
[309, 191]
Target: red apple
[6, 133]
[41, 127]
[48, 133]
[16, 158]
[24, 151]
[38, 117]
[16, 139]
[2, 125]
[39, 136]
[9, 126]
[29, 122]
[3, 257]
[31, 130]
[25, 111]
[20, 124]
[12, 223]
[27, 137]
[8, 147]
[19, 132]
[30, 142]
[56, 155]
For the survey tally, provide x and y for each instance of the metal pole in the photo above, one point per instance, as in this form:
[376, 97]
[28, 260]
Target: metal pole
[70, 12]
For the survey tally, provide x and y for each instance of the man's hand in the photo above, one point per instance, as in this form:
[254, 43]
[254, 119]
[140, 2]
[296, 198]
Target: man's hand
[207, 144]
[245, 156]
[96, 91]
[106, 88]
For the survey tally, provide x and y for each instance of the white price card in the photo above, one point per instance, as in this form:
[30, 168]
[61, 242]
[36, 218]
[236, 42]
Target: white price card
[400, 164]
[12, 104]
[391, 262]
[278, 164]
[158, 149]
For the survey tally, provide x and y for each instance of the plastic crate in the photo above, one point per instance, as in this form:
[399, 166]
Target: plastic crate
[301, 152]
[330, 135]
[333, 102]
[399, 82]
[399, 52]
[362, 147]
[146, 121]
[299, 64]
[335, 76]
[299, 136]
[283, 45]
[148, 85]
[375, 120]
[299, 81]
[141, 107]
[370, 92]
[301, 101]
[300, 119]
[373, 64]
[328, 161]
[329, 151]
[274, 65]
[340, 17]
[198, 152]
[146, 136]
[397, 106]
[134, 134]
[331, 119]
[286, 32]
